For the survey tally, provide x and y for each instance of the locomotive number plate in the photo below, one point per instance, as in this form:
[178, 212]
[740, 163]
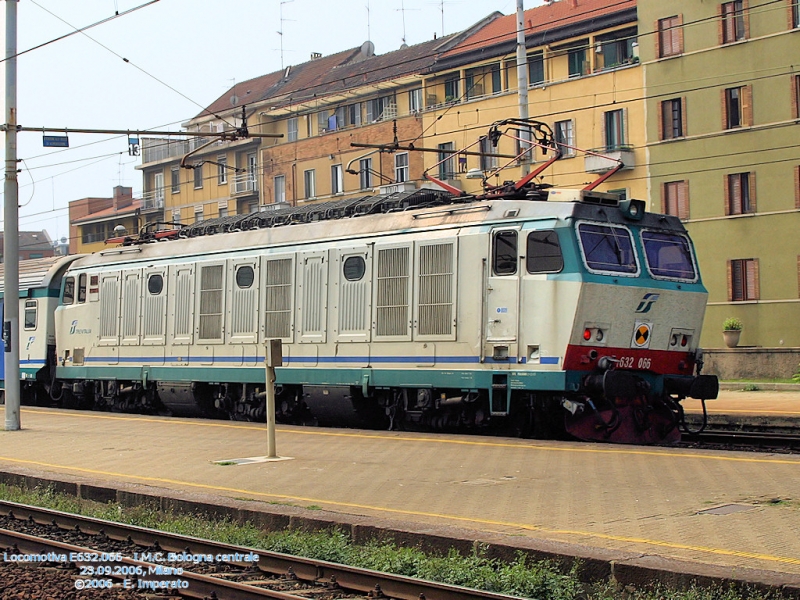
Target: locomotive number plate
[631, 362]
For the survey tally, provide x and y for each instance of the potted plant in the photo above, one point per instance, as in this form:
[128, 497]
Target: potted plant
[731, 330]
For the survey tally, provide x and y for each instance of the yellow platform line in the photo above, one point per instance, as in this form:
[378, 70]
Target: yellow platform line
[417, 513]
[578, 447]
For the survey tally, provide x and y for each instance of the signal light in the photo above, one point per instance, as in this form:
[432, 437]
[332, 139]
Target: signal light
[587, 334]
[684, 341]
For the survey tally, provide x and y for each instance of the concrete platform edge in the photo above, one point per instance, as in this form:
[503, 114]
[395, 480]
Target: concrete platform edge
[623, 568]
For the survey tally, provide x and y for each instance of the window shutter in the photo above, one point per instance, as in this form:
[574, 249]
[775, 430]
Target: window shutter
[683, 200]
[795, 96]
[797, 187]
[747, 105]
[746, 17]
[798, 275]
[660, 32]
[751, 276]
[727, 194]
[662, 130]
[721, 15]
[664, 194]
[684, 118]
[752, 179]
[724, 104]
[730, 281]
[679, 49]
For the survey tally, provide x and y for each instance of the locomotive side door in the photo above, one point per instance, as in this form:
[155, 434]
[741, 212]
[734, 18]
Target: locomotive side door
[501, 296]
[501, 312]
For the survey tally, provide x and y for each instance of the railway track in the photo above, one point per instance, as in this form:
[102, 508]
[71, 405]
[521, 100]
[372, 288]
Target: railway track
[105, 556]
[745, 440]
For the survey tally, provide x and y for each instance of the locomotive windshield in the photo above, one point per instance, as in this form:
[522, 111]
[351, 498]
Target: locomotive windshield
[668, 255]
[607, 248]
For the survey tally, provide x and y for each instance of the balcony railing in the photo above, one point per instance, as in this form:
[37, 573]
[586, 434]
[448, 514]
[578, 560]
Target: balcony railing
[153, 200]
[609, 158]
[157, 149]
[244, 184]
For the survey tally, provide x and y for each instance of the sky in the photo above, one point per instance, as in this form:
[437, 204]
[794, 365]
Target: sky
[181, 56]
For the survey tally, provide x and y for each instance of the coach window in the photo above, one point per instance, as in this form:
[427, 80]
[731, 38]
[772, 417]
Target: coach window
[543, 254]
[354, 268]
[30, 314]
[69, 290]
[155, 283]
[504, 259]
[82, 288]
[245, 277]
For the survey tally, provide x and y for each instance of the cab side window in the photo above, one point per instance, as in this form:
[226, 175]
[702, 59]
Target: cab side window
[543, 254]
[82, 288]
[504, 253]
[69, 290]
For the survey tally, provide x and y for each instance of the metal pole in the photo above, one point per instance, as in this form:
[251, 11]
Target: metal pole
[522, 81]
[11, 228]
[274, 356]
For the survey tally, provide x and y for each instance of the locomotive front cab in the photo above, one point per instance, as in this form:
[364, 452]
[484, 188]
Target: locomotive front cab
[633, 353]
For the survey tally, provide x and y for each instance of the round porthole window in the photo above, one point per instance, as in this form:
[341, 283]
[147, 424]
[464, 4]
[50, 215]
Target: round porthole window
[354, 268]
[155, 284]
[245, 277]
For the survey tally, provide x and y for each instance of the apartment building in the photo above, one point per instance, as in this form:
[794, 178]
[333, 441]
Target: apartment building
[585, 83]
[94, 220]
[723, 89]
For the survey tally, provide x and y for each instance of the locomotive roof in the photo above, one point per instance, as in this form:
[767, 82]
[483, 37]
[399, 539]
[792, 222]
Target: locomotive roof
[365, 218]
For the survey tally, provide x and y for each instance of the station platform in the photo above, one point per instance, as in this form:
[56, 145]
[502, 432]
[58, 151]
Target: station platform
[711, 513]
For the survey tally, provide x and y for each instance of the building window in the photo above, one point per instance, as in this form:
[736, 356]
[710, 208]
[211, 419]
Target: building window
[176, 181]
[198, 175]
[488, 163]
[616, 48]
[309, 179]
[222, 170]
[797, 187]
[796, 95]
[451, 88]
[737, 107]
[614, 121]
[576, 57]
[353, 114]
[291, 133]
[415, 101]
[497, 79]
[447, 162]
[672, 119]
[365, 173]
[733, 23]
[743, 280]
[675, 199]
[669, 40]
[794, 13]
[322, 121]
[280, 188]
[565, 137]
[381, 109]
[198, 214]
[535, 68]
[222, 211]
[740, 197]
[337, 182]
[401, 167]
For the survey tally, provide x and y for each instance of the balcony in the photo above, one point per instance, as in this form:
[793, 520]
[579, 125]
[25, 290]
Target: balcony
[158, 149]
[153, 200]
[244, 184]
[609, 159]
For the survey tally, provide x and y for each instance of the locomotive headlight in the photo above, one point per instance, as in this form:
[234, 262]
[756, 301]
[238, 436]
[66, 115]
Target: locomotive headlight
[599, 335]
[674, 341]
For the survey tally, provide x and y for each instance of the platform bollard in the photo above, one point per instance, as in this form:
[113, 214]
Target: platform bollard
[273, 358]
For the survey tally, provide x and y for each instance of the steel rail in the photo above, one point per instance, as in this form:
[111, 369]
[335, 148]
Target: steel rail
[764, 439]
[275, 563]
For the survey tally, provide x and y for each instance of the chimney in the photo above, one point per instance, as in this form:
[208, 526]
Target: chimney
[123, 196]
[316, 55]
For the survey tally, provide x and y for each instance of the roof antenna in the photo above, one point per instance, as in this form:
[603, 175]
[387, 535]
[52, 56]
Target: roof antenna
[280, 33]
[368, 29]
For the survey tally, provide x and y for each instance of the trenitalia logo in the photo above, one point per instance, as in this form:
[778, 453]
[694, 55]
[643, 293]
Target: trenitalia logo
[647, 303]
[74, 329]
